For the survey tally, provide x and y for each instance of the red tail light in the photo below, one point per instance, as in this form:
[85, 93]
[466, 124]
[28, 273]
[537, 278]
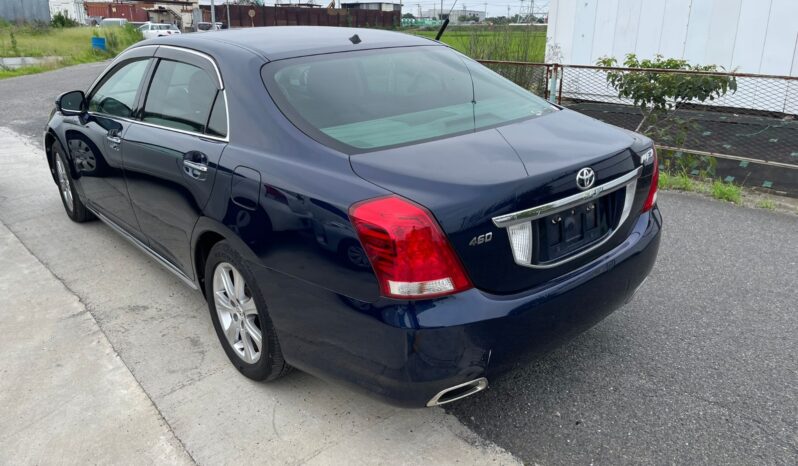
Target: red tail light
[408, 250]
[652, 191]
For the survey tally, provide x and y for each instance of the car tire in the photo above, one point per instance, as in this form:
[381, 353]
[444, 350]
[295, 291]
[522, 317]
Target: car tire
[242, 323]
[75, 208]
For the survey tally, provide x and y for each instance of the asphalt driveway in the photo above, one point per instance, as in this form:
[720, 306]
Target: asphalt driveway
[702, 367]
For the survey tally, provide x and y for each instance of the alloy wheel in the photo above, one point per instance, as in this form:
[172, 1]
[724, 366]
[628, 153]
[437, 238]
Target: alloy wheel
[237, 312]
[84, 156]
[63, 183]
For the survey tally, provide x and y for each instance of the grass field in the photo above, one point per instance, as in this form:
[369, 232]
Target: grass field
[73, 45]
[498, 43]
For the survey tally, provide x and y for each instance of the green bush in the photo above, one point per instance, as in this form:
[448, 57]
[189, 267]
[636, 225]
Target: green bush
[61, 20]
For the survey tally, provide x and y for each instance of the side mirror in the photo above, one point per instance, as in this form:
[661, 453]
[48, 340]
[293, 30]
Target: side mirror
[71, 103]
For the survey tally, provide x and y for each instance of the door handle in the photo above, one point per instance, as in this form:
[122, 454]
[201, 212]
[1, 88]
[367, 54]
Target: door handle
[195, 165]
[113, 138]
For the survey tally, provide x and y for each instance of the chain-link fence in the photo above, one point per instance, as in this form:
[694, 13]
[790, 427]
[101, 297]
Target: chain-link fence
[751, 133]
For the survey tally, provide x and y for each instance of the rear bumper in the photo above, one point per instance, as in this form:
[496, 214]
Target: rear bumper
[407, 352]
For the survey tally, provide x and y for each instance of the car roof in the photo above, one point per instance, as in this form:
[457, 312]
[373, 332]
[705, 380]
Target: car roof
[279, 42]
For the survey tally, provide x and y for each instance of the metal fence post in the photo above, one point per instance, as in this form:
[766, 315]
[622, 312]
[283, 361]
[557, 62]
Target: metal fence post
[553, 80]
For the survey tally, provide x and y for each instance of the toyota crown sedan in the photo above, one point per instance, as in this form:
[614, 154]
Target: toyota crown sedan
[370, 207]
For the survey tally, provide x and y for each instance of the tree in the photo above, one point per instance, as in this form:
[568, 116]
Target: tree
[408, 16]
[660, 95]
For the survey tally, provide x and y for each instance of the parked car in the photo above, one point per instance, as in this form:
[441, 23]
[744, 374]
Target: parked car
[208, 27]
[153, 30]
[112, 22]
[494, 224]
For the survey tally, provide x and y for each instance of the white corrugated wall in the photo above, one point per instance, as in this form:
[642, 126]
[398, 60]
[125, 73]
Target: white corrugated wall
[747, 36]
[72, 8]
[751, 36]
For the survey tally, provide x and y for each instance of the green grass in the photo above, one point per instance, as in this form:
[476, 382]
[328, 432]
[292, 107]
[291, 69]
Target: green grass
[680, 182]
[726, 192]
[497, 43]
[73, 45]
[766, 204]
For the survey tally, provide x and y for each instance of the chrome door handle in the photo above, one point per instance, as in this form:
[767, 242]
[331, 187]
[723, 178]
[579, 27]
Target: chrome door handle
[195, 166]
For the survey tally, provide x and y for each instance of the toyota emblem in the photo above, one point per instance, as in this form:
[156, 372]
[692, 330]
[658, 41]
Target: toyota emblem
[585, 178]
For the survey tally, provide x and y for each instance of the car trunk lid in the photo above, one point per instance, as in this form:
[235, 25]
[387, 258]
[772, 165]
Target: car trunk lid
[466, 181]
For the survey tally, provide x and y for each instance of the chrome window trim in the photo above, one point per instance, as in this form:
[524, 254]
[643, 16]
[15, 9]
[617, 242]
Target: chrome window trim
[627, 181]
[152, 125]
[503, 221]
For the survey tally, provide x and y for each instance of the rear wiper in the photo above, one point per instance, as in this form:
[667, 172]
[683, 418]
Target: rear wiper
[445, 21]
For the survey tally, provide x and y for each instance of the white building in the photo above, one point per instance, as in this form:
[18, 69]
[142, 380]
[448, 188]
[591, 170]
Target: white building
[746, 36]
[381, 6]
[455, 14]
[72, 8]
[751, 36]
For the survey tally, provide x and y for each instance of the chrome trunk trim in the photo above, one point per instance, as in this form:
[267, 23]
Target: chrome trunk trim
[627, 181]
[503, 221]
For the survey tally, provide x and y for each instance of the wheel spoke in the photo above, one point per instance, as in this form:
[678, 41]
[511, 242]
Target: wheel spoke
[238, 283]
[253, 332]
[232, 331]
[249, 308]
[224, 301]
[226, 281]
[249, 351]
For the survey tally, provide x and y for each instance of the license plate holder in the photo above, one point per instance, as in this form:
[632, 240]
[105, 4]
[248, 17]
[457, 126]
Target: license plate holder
[573, 229]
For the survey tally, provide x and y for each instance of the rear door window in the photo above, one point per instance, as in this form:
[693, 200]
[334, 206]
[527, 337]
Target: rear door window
[181, 96]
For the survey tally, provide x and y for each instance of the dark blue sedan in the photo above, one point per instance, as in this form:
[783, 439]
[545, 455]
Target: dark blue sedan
[366, 206]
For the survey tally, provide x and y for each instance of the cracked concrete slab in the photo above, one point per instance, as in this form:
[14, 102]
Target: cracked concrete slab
[65, 396]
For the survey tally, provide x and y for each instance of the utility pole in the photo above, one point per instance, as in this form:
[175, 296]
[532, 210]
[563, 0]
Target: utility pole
[228, 13]
[441, 9]
[213, 16]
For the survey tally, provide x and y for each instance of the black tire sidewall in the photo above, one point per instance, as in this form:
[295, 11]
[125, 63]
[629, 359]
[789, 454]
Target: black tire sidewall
[58, 153]
[270, 365]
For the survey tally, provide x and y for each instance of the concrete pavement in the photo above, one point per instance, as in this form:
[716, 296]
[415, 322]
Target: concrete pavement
[65, 395]
[163, 334]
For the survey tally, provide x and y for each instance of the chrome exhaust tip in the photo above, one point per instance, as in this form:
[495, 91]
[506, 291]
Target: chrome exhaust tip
[458, 392]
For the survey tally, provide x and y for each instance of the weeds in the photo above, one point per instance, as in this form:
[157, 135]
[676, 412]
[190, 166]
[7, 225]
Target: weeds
[73, 45]
[766, 204]
[679, 182]
[726, 192]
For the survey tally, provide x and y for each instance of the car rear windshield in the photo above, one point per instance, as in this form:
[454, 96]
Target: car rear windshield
[376, 99]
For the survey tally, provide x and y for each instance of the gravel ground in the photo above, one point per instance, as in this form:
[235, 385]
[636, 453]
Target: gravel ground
[702, 367]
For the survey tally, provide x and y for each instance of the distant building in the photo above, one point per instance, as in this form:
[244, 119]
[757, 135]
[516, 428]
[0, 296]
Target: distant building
[178, 12]
[380, 6]
[456, 14]
[73, 9]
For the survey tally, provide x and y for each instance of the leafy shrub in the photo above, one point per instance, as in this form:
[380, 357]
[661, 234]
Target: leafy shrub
[660, 94]
[61, 20]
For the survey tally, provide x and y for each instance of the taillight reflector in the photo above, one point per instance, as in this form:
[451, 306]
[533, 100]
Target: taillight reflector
[652, 191]
[409, 252]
